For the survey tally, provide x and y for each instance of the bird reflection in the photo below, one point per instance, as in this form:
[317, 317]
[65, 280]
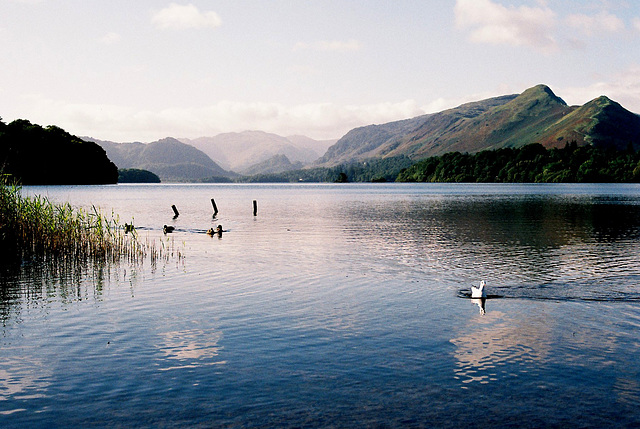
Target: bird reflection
[480, 302]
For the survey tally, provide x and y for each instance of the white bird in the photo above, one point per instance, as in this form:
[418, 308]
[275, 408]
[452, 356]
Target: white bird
[478, 292]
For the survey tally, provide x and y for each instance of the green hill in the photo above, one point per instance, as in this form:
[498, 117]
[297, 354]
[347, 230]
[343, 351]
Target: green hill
[535, 116]
[600, 122]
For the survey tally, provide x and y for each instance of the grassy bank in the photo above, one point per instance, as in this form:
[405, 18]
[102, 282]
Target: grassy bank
[35, 228]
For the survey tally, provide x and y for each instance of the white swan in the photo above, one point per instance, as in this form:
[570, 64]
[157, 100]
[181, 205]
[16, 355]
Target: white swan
[479, 292]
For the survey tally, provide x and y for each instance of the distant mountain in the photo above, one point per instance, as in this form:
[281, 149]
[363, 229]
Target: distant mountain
[274, 165]
[535, 116]
[170, 159]
[34, 155]
[241, 151]
[319, 147]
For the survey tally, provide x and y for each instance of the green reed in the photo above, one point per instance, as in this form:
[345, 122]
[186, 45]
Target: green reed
[35, 228]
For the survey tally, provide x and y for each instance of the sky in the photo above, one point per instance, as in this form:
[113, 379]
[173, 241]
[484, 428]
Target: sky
[143, 70]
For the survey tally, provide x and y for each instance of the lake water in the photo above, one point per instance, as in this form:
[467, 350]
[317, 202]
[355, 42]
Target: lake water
[338, 306]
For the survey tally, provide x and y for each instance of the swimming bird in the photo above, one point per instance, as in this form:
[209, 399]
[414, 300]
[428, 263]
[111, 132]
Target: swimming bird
[479, 292]
[217, 230]
[167, 229]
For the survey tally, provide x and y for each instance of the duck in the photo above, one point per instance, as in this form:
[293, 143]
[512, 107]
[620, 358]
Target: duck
[479, 292]
[167, 229]
[217, 230]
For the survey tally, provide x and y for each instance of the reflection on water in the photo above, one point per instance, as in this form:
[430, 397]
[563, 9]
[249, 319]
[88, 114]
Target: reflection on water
[498, 346]
[190, 349]
[335, 305]
[481, 303]
[36, 284]
[525, 246]
[22, 380]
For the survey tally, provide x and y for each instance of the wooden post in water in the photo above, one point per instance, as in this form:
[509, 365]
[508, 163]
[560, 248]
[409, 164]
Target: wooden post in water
[255, 208]
[175, 211]
[215, 208]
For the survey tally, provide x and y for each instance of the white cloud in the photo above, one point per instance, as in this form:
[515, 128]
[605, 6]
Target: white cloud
[636, 23]
[177, 16]
[623, 87]
[110, 38]
[303, 70]
[122, 123]
[493, 23]
[330, 45]
[595, 24]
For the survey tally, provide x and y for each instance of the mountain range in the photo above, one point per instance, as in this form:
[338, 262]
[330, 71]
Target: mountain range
[170, 159]
[184, 160]
[535, 116]
[240, 152]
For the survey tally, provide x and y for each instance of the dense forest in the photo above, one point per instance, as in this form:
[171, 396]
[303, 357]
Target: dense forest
[530, 164]
[136, 175]
[34, 155]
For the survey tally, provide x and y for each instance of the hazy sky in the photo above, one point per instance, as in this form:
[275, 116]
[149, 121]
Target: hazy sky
[141, 70]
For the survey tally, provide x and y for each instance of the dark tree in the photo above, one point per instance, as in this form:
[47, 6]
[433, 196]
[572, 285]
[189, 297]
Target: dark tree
[134, 175]
[34, 155]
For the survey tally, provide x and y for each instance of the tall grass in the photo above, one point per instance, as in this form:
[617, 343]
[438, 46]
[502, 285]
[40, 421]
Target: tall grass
[35, 228]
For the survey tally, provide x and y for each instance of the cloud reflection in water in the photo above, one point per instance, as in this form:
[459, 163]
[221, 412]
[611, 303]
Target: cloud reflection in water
[496, 346]
[190, 348]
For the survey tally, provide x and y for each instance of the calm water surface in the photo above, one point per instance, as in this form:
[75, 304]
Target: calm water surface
[337, 306]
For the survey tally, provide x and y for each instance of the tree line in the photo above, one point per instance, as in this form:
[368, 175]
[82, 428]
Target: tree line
[530, 164]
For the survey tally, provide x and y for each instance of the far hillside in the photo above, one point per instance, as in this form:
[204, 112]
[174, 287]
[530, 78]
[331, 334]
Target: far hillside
[245, 152]
[168, 158]
[511, 121]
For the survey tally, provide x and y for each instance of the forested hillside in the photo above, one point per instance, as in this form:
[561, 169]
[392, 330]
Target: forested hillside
[530, 164]
[34, 155]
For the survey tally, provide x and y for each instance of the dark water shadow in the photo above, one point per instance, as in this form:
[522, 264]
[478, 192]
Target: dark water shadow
[37, 282]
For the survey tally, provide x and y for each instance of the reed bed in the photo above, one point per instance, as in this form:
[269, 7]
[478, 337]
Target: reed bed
[34, 228]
